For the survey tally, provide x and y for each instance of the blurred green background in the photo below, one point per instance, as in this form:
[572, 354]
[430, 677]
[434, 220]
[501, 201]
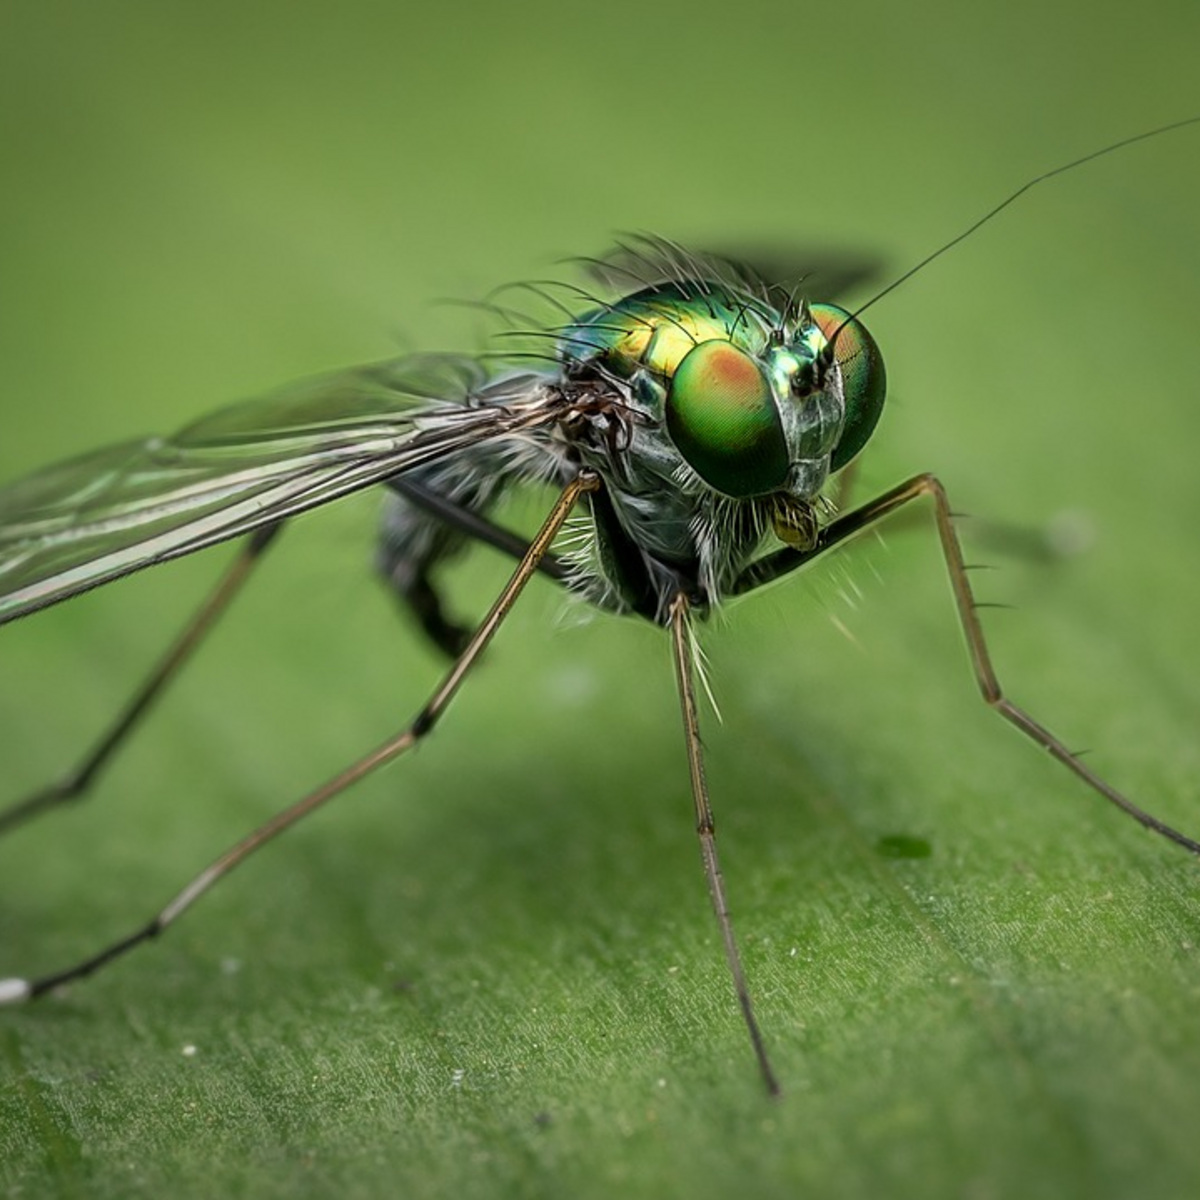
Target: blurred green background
[492, 970]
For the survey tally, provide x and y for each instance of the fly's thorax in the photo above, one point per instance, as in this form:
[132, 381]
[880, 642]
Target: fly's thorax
[653, 330]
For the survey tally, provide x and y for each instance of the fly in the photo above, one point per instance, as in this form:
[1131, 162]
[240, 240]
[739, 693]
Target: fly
[699, 420]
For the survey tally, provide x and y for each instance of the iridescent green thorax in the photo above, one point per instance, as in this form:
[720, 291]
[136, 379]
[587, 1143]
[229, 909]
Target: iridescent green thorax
[653, 330]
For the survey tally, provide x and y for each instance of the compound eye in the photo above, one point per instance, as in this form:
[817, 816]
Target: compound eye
[721, 415]
[864, 379]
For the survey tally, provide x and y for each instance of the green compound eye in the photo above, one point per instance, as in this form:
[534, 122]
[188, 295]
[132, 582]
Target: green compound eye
[721, 415]
[863, 379]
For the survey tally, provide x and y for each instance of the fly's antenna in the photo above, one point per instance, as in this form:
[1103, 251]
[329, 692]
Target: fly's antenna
[828, 354]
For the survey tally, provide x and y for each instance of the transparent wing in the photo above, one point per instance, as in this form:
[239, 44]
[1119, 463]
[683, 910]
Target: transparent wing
[84, 522]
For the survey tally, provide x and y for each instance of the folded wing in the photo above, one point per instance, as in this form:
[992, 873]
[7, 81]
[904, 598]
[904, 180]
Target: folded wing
[81, 523]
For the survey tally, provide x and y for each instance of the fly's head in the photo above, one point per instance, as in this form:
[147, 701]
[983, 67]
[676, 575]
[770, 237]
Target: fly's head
[776, 420]
[729, 396]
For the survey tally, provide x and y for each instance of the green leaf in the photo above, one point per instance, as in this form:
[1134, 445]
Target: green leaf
[492, 969]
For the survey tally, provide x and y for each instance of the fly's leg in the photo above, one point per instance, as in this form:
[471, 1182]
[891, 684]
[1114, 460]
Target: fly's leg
[76, 783]
[683, 651]
[785, 561]
[406, 563]
[17, 989]
[474, 525]
[450, 637]
[1045, 545]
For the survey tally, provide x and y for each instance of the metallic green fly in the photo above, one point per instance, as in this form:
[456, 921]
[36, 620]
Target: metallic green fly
[699, 420]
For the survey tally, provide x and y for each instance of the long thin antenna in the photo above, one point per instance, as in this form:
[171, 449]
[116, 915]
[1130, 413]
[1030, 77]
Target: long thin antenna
[999, 208]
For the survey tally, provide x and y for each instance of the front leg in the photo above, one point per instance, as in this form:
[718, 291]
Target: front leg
[783, 562]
